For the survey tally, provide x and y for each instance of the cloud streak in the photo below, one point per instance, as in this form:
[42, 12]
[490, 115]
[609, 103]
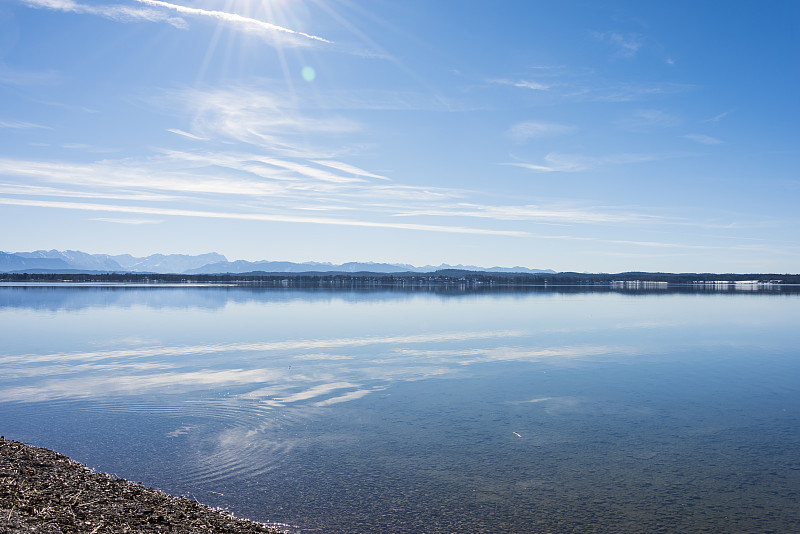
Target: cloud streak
[22, 125]
[233, 18]
[557, 162]
[645, 119]
[238, 181]
[117, 13]
[627, 45]
[538, 213]
[703, 139]
[523, 84]
[350, 169]
[524, 131]
[262, 217]
[584, 85]
[123, 13]
[186, 134]
[252, 187]
[719, 117]
[127, 221]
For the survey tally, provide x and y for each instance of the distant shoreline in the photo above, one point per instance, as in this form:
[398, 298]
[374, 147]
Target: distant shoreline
[444, 278]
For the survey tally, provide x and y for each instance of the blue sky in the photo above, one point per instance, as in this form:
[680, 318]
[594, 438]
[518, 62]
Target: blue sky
[586, 136]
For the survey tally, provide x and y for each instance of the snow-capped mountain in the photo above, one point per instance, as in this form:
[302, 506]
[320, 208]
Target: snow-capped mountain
[211, 263]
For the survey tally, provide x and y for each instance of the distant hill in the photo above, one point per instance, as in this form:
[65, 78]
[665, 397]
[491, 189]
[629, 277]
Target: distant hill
[169, 263]
[71, 261]
[10, 263]
[75, 259]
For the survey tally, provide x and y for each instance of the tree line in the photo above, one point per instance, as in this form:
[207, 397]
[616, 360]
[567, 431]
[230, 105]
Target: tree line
[449, 277]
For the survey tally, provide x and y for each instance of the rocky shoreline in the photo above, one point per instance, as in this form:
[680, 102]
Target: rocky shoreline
[46, 492]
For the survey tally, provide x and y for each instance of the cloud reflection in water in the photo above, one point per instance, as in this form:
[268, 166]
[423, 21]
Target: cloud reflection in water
[280, 372]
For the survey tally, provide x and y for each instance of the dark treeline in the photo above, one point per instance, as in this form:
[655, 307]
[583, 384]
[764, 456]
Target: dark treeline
[444, 278]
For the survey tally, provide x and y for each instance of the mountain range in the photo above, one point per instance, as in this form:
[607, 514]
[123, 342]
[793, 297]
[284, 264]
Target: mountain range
[73, 261]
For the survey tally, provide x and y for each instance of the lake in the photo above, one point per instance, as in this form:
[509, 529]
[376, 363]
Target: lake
[562, 410]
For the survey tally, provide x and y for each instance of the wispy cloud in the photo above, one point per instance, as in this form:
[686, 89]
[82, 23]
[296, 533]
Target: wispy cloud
[554, 214]
[703, 139]
[622, 92]
[282, 176]
[364, 98]
[231, 177]
[350, 169]
[127, 221]
[627, 45]
[529, 84]
[292, 171]
[255, 117]
[554, 164]
[719, 117]
[524, 84]
[645, 119]
[308, 170]
[172, 173]
[88, 148]
[10, 76]
[22, 125]
[584, 85]
[557, 162]
[233, 18]
[264, 217]
[38, 191]
[119, 13]
[186, 134]
[524, 131]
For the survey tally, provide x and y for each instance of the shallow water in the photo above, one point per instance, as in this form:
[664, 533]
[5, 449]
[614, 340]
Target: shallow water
[393, 411]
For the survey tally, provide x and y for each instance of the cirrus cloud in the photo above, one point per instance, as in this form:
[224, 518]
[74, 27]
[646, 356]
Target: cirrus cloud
[524, 131]
[245, 22]
[119, 13]
[703, 139]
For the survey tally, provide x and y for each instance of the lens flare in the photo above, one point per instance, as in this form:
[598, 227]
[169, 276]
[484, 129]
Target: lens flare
[309, 74]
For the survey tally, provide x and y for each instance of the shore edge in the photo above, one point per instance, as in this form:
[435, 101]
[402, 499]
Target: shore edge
[46, 492]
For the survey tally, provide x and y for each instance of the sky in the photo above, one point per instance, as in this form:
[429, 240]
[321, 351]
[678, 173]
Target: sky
[567, 135]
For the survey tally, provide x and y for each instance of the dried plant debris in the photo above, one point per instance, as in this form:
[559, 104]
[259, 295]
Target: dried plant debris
[45, 492]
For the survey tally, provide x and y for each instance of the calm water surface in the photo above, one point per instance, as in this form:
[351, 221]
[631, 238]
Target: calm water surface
[391, 411]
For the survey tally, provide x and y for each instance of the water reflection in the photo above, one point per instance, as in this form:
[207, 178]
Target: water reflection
[364, 412]
[330, 371]
[74, 297]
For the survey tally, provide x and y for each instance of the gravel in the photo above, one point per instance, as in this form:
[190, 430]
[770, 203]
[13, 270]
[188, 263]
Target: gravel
[45, 492]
